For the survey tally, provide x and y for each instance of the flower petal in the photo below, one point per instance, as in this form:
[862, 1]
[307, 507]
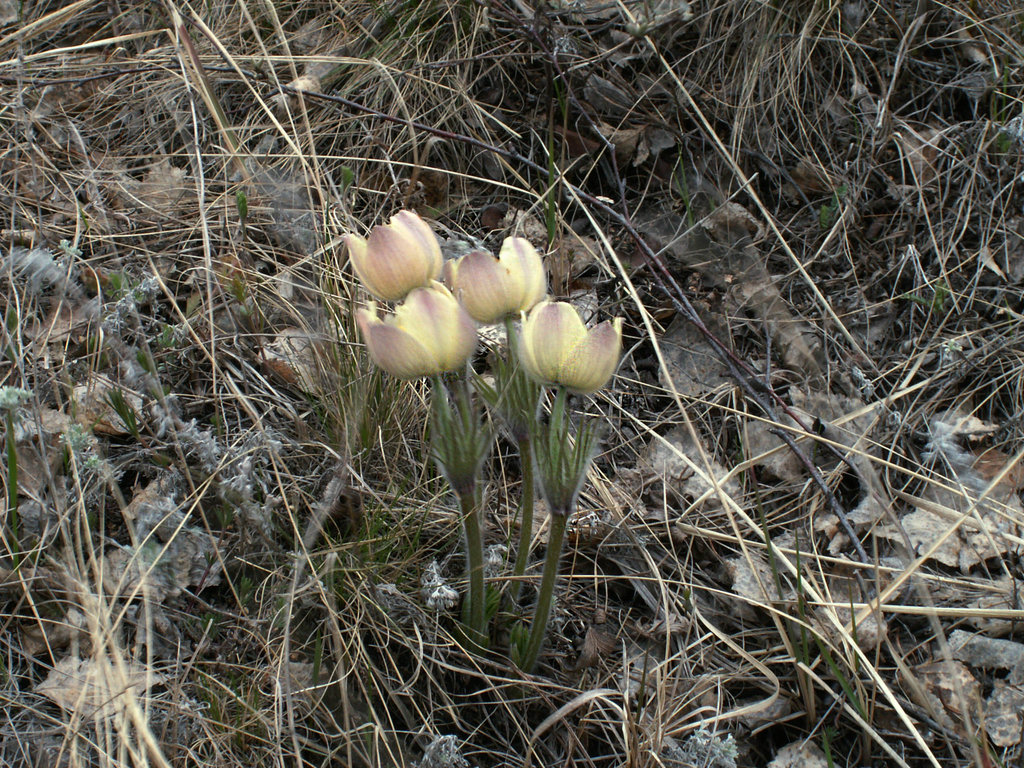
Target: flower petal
[397, 257]
[593, 360]
[481, 283]
[420, 232]
[440, 325]
[527, 271]
[550, 332]
[391, 348]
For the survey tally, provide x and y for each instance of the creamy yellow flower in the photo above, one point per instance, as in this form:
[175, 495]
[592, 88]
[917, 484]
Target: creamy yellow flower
[397, 257]
[556, 347]
[429, 333]
[492, 288]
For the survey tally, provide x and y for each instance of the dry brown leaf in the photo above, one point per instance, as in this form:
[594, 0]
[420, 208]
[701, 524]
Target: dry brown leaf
[1004, 709]
[163, 570]
[692, 363]
[752, 579]
[811, 178]
[93, 408]
[988, 653]
[94, 688]
[799, 754]
[292, 355]
[951, 683]
[921, 149]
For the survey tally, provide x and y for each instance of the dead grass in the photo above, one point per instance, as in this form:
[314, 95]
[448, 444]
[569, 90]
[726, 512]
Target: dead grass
[801, 542]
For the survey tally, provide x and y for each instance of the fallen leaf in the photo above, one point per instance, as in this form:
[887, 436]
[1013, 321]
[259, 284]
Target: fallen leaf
[693, 366]
[921, 150]
[93, 407]
[988, 653]
[950, 684]
[752, 579]
[95, 688]
[292, 355]
[799, 754]
[1004, 709]
[811, 178]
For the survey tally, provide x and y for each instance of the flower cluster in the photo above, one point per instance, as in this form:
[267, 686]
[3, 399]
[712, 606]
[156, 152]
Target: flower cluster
[433, 330]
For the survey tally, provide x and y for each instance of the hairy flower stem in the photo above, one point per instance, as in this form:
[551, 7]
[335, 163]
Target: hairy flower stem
[525, 517]
[460, 448]
[476, 598]
[521, 408]
[545, 598]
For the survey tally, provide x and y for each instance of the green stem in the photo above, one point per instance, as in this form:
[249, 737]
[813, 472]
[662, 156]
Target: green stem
[558, 425]
[545, 597]
[475, 567]
[525, 517]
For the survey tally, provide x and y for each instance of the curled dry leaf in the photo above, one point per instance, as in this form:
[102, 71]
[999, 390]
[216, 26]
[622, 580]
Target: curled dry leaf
[945, 689]
[753, 580]
[95, 687]
[799, 754]
[921, 149]
[1004, 709]
[691, 363]
[94, 409]
[988, 653]
[292, 356]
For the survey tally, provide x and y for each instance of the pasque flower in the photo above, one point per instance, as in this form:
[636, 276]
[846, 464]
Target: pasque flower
[428, 334]
[556, 347]
[493, 288]
[397, 257]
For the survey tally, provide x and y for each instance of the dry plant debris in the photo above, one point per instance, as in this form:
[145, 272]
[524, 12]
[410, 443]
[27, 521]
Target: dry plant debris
[800, 543]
